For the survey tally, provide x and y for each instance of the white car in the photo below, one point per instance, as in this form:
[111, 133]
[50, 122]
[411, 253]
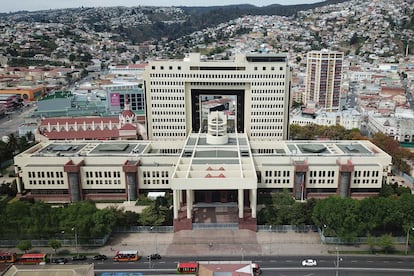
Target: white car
[309, 262]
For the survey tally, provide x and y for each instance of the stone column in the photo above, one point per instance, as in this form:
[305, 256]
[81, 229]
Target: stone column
[240, 203]
[253, 202]
[175, 203]
[189, 203]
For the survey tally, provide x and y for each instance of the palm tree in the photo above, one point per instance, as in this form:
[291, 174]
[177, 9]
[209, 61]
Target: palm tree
[12, 144]
[29, 136]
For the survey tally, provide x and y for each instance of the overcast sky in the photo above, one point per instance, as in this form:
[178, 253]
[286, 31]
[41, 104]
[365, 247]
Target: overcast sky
[32, 5]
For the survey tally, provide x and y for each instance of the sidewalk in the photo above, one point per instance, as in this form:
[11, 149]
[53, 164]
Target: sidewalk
[222, 242]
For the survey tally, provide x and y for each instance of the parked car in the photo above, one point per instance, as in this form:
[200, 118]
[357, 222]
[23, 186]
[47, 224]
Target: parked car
[99, 258]
[155, 256]
[59, 261]
[309, 262]
[79, 258]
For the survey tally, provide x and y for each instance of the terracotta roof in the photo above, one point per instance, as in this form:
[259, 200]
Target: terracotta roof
[128, 113]
[80, 120]
[128, 127]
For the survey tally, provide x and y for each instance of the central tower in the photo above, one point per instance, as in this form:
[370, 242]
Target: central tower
[253, 90]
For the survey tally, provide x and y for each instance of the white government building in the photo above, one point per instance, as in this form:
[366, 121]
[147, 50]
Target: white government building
[226, 158]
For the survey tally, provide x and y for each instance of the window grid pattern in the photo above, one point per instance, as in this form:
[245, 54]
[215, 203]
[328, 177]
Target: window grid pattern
[155, 177]
[46, 177]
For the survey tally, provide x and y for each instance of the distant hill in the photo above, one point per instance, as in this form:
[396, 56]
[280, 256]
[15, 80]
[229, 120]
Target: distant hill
[209, 16]
[193, 19]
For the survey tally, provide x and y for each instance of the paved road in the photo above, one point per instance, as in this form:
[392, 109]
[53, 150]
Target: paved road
[281, 265]
[10, 123]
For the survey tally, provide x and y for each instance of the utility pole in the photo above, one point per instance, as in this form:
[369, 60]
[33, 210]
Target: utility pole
[407, 239]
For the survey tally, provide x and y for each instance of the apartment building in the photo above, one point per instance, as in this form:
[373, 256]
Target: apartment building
[323, 79]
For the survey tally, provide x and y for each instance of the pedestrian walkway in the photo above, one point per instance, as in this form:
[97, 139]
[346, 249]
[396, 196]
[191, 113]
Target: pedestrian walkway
[223, 242]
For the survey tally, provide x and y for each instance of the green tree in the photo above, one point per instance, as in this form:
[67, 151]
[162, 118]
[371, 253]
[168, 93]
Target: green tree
[386, 190]
[104, 220]
[25, 245]
[372, 243]
[151, 216]
[55, 244]
[17, 218]
[386, 242]
[340, 215]
[78, 216]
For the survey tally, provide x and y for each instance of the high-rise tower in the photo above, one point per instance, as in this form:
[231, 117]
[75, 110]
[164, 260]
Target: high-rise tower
[323, 79]
[253, 90]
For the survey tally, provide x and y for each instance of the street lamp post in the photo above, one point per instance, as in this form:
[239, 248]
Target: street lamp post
[271, 239]
[76, 240]
[337, 261]
[407, 239]
[323, 231]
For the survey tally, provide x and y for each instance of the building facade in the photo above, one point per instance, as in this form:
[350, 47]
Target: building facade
[196, 172]
[217, 138]
[323, 79]
[257, 85]
[117, 93]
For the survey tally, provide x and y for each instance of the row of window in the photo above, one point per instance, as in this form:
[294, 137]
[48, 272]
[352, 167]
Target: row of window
[321, 173]
[44, 182]
[172, 127]
[281, 106]
[321, 181]
[170, 151]
[103, 182]
[167, 105]
[269, 98]
[266, 134]
[268, 91]
[166, 98]
[366, 181]
[232, 84]
[266, 83]
[267, 120]
[155, 181]
[169, 119]
[43, 174]
[366, 173]
[267, 113]
[157, 134]
[222, 75]
[272, 127]
[168, 112]
[276, 181]
[100, 174]
[277, 173]
[166, 83]
[146, 174]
